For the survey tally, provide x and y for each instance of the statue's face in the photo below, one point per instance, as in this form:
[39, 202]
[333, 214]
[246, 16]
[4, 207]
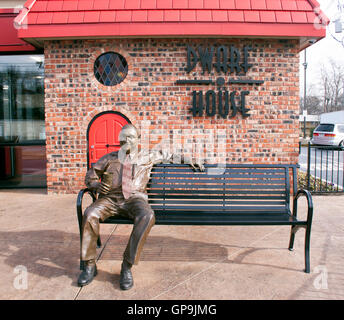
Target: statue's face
[128, 139]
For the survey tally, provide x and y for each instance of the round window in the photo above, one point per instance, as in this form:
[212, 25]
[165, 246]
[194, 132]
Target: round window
[110, 68]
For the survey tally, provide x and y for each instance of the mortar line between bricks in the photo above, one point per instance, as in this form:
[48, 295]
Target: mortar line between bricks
[215, 264]
[99, 255]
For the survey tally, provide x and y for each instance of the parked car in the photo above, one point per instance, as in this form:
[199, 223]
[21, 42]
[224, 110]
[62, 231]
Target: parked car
[329, 134]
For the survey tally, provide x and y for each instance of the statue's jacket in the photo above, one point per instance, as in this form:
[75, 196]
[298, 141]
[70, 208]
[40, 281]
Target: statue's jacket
[112, 162]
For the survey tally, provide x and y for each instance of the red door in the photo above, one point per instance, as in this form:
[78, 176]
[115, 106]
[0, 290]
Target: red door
[103, 135]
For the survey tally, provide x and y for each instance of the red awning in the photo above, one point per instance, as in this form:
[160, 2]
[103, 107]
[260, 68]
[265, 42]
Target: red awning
[9, 41]
[76, 19]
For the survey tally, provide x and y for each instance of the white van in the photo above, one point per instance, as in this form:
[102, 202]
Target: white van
[329, 134]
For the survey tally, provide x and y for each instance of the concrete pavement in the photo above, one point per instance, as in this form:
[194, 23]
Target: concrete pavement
[40, 249]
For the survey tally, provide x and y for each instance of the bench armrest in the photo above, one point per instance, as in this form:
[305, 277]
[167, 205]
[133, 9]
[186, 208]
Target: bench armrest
[308, 195]
[79, 204]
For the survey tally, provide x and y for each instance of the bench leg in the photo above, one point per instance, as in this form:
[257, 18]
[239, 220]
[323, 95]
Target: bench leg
[307, 247]
[80, 218]
[293, 230]
[292, 237]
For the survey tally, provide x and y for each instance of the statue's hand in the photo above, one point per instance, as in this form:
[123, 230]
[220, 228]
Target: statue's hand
[188, 160]
[106, 183]
[103, 188]
[199, 165]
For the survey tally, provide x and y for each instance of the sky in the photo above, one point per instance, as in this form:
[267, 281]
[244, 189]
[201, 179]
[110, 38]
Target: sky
[322, 51]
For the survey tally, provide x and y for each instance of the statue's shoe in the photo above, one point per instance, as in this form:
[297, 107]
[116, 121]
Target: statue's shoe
[126, 279]
[87, 275]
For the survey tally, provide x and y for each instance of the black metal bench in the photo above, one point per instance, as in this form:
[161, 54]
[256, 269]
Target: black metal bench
[232, 195]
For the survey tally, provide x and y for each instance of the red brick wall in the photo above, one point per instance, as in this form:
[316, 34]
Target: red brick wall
[153, 102]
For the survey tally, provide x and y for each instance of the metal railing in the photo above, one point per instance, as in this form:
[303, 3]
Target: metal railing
[325, 169]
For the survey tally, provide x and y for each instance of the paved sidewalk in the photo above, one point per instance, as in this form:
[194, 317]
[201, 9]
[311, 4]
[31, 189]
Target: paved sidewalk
[39, 234]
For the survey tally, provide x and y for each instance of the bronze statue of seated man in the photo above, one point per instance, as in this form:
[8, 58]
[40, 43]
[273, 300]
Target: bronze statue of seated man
[120, 178]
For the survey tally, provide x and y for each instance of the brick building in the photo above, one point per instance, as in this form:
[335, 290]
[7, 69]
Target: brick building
[215, 79]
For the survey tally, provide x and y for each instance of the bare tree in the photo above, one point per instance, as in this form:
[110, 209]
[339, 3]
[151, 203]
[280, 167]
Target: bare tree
[313, 104]
[332, 83]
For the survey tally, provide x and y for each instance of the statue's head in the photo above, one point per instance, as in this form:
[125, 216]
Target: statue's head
[129, 138]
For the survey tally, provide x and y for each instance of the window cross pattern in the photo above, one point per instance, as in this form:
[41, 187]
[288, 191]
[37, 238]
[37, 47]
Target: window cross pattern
[110, 68]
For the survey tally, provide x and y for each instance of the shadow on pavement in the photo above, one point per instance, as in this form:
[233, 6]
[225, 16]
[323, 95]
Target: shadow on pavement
[53, 253]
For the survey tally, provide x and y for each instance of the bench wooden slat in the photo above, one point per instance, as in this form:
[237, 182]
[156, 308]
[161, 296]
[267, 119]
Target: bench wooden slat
[221, 182]
[220, 170]
[223, 210]
[214, 186]
[226, 202]
[218, 177]
[220, 196]
[217, 192]
[231, 166]
[189, 172]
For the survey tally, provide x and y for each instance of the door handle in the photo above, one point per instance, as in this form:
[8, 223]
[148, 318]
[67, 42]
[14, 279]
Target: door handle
[112, 145]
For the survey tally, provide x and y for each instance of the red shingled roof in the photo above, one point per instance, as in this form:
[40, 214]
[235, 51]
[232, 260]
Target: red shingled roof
[41, 19]
[9, 41]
